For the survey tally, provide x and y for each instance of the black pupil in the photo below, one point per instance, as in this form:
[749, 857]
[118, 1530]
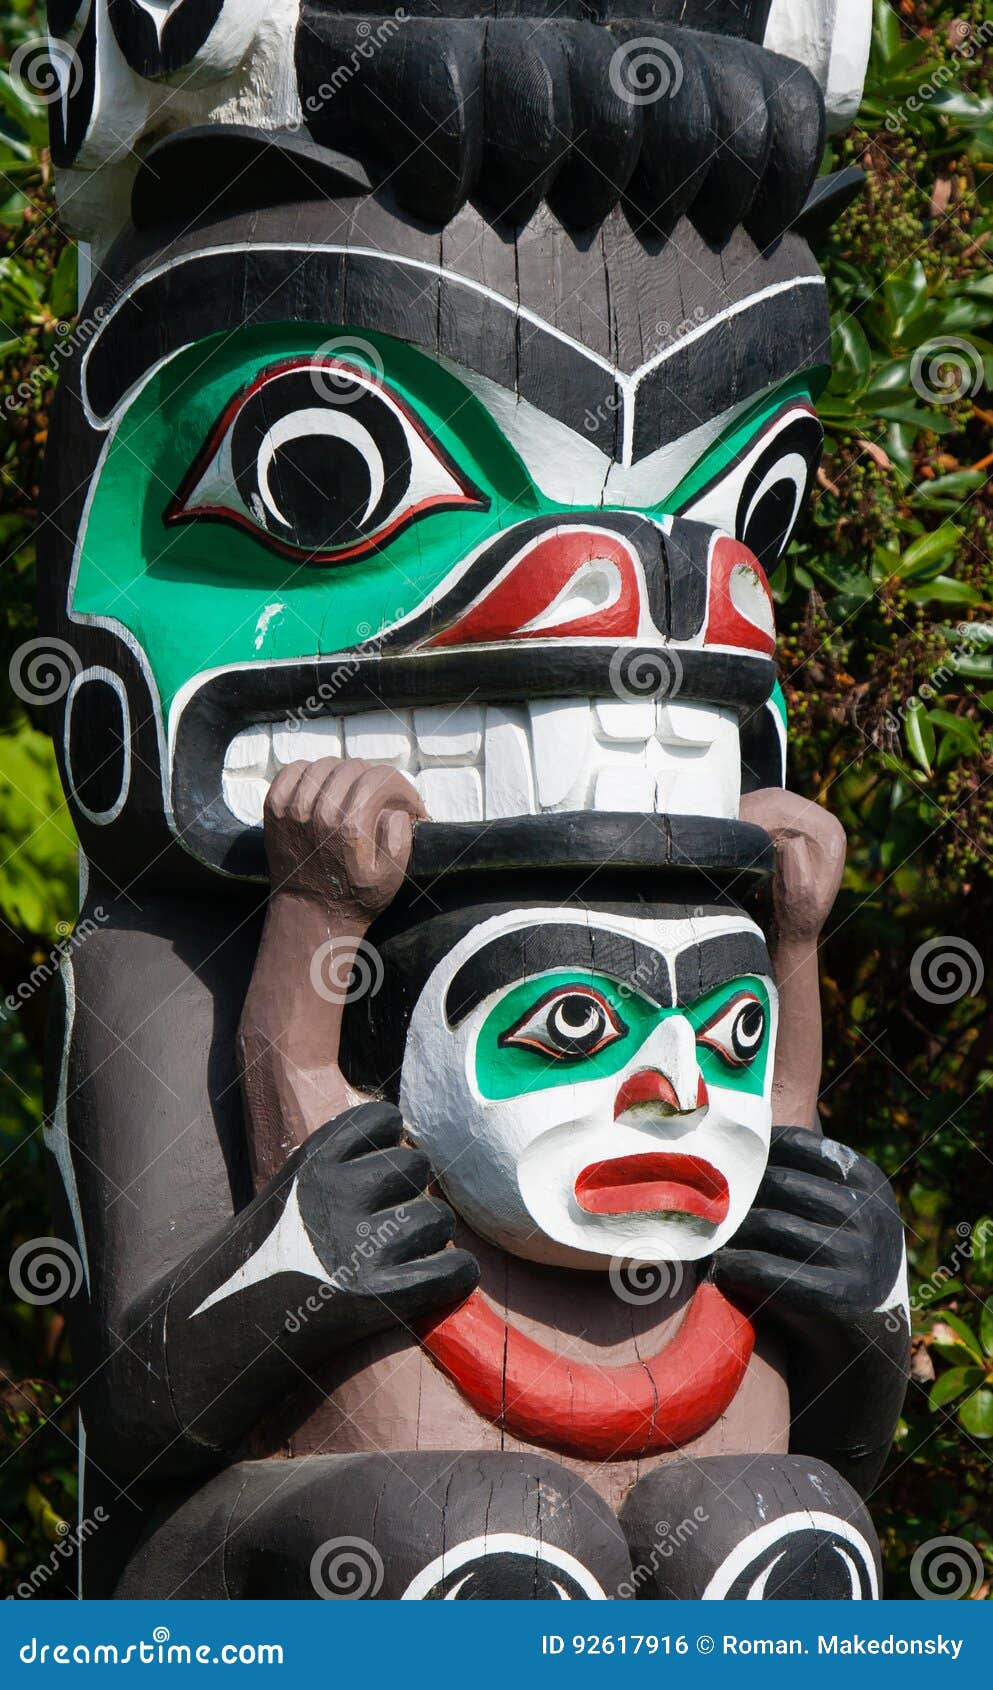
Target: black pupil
[324, 468]
[574, 1013]
[749, 1027]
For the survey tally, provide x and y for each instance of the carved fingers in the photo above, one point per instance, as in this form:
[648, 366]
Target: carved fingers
[823, 1239]
[341, 830]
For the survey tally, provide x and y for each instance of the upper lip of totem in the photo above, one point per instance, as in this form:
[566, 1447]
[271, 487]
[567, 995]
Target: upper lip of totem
[654, 1182]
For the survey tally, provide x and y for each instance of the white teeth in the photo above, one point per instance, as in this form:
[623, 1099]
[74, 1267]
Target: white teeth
[380, 737]
[450, 735]
[618, 719]
[509, 780]
[481, 762]
[561, 735]
[625, 789]
[451, 795]
[305, 742]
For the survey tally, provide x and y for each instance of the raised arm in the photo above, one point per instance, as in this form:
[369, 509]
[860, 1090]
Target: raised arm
[810, 859]
[338, 838]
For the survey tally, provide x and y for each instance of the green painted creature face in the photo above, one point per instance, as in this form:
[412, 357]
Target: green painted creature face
[573, 1027]
[274, 494]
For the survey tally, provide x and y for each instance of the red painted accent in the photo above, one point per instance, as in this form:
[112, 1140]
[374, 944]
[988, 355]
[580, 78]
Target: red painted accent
[535, 579]
[725, 623]
[591, 1410]
[647, 1086]
[702, 1094]
[656, 1182]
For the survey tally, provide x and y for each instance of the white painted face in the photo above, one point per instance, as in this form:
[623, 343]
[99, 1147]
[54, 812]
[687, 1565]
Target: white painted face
[591, 1086]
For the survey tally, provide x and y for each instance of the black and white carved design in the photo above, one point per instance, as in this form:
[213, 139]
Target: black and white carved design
[788, 1557]
[504, 1566]
[72, 26]
[157, 39]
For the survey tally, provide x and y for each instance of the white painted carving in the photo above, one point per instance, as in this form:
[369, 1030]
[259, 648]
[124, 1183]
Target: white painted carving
[552, 754]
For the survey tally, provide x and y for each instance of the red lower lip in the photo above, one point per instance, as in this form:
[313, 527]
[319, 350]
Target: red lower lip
[654, 1184]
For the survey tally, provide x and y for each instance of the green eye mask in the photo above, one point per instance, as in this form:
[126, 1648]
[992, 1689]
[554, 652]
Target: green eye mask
[615, 1023]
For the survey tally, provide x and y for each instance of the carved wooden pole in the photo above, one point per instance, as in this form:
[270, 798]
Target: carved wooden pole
[433, 1095]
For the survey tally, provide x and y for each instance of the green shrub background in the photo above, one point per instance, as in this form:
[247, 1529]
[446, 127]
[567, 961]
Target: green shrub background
[886, 619]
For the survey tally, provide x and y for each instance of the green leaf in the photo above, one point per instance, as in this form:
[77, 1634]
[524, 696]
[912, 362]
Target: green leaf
[919, 735]
[986, 1326]
[922, 556]
[953, 1383]
[851, 358]
[963, 1334]
[944, 589]
[981, 1246]
[976, 1414]
[62, 294]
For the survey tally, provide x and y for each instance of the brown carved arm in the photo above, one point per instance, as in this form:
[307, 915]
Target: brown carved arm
[810, 859]
[338, 837]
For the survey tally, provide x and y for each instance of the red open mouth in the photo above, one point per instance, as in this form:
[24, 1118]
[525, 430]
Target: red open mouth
[655, 1183]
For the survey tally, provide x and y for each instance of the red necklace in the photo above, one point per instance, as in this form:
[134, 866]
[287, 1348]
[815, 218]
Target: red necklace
[590, 1409]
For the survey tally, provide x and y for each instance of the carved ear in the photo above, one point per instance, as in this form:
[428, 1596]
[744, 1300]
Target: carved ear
[831, 38]
[224, 168]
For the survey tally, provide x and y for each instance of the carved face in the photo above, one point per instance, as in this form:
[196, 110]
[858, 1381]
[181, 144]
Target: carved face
[597, 1089]
[448, 535]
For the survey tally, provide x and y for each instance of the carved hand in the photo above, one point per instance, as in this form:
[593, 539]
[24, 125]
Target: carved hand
[341, 831]
[823, 1240]
[361, 1199]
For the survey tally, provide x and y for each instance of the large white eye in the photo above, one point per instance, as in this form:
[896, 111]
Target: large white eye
[759, 497]
[736, 1032]
[323, 462]
[569, 1021]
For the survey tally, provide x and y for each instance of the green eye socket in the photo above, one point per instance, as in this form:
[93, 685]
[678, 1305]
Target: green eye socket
[569, 1028]
[323, 462]
[569, 1021]
[737, 1031]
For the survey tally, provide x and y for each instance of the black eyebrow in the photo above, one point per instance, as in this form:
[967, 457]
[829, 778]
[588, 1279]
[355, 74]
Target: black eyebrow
[534, 950]
[713, 962]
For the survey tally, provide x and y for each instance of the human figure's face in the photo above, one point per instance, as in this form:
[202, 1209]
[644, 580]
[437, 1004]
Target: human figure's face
[591, 1087]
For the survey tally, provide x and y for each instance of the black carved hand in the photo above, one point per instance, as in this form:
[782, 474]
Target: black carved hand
[381, 1241]
[823, 1238]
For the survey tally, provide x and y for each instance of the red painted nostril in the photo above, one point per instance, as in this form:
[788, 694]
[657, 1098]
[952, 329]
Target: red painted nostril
[702, 1094]
[648, 1086]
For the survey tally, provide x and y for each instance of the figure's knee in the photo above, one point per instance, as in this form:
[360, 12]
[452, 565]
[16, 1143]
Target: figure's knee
[749, 1527]
[423, 1526]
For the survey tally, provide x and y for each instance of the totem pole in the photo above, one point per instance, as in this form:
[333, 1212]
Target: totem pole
[434, 1105]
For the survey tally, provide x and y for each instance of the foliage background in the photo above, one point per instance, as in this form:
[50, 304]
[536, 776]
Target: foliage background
[890, 706]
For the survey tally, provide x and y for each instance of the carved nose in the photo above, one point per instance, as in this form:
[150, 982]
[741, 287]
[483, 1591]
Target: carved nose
[651, 1086]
